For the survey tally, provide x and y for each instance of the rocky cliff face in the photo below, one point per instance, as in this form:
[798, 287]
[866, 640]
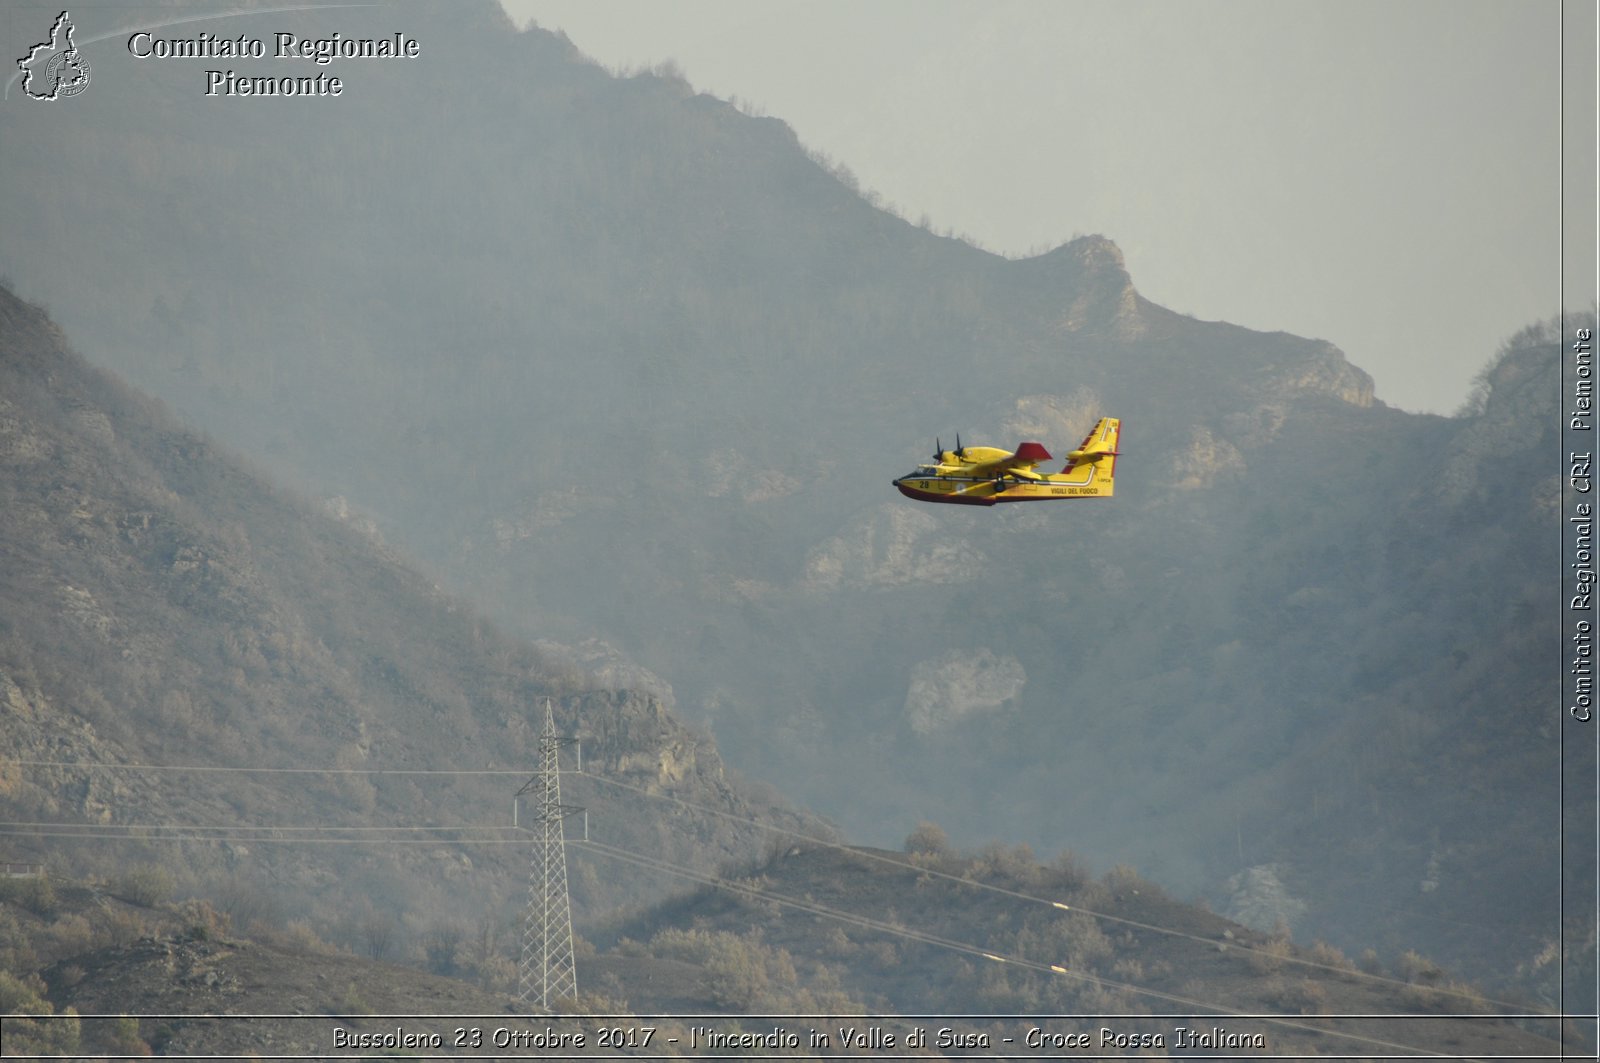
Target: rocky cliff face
[1090, 278]
[634, 739]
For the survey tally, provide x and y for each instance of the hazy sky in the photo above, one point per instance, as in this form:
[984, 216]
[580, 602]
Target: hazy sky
[1384, 175]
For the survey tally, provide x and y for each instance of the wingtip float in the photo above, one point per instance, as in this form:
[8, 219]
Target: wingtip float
[983, 476]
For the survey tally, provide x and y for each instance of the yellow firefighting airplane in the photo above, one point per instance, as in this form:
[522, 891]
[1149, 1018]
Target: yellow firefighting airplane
[982, 476]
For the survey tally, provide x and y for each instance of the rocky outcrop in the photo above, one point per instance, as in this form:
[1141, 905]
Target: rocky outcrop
[892, 545]
[947, 691]
[1089, 280]
[630, 735]
[1207, 458]
[1320, 368]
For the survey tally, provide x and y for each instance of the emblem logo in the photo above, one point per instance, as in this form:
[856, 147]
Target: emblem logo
[55, 69]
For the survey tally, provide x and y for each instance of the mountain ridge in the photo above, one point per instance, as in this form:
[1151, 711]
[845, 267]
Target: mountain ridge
[639, 368]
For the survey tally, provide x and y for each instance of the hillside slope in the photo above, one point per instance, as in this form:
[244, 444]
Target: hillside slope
[308, 725]
[995, 942]
[89, 969]
[823, 939]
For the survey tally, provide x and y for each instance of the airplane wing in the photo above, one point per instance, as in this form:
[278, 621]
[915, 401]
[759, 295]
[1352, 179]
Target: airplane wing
[1030, 454]
[1020, 464]
[985, 462]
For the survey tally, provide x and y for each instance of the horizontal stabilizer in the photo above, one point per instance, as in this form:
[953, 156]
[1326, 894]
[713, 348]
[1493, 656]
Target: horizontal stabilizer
[1101, 442]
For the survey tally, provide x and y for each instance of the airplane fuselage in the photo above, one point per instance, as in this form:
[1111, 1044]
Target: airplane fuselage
[967, 490]
[985, 476]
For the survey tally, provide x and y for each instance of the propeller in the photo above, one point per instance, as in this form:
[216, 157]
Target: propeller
[961, 451]
[938, 450]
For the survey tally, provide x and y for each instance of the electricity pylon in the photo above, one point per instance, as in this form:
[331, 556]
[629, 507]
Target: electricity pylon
[548, 971]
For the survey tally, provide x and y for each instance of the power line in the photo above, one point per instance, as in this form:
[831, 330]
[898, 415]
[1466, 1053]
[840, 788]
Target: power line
[253, 770]
[1034, 899]
[1016, 961]
[811, 839]
[245, 826]
[656, 864]
[824, 911]
[251, 839]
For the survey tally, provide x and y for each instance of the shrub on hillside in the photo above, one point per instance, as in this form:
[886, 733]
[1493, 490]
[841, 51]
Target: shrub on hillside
[928, 839]
[146, 885]
[21, 997]
[33, 892]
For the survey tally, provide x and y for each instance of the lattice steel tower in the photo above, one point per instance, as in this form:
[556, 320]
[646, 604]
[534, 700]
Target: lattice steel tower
[548, 971]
